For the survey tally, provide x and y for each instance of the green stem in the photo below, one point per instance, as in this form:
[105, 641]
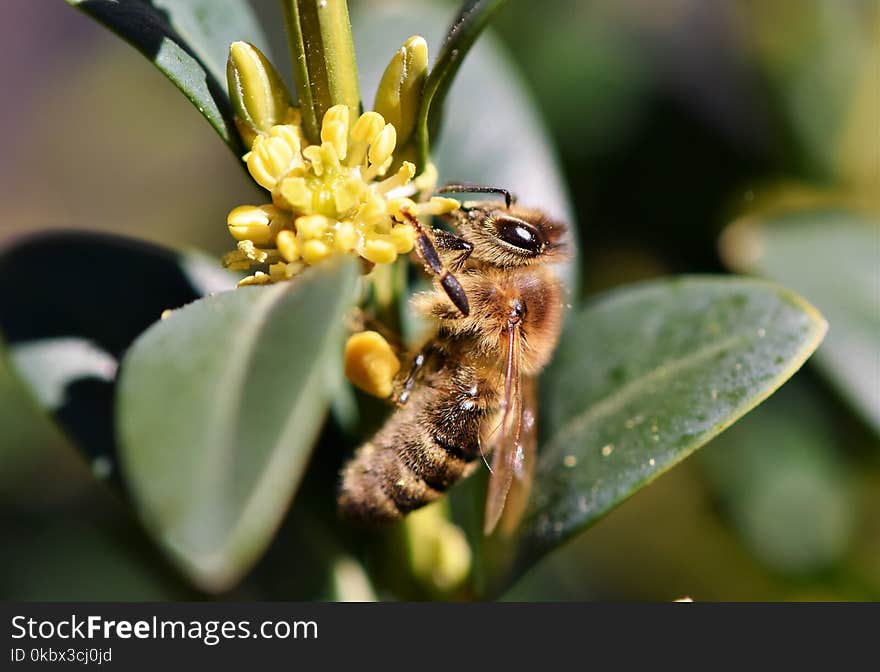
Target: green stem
[319, 33]
[386, 297]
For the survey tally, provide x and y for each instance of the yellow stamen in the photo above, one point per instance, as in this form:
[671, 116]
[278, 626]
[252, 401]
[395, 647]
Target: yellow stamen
[296, 193]
[313, 154]
[312, 226]
[403, 175]
[403, 236]
[326, 198]
[334, 129]
[287, 245]
[382, 147]
[367, 127]
[346, 237]
[438, 205]
[348, 194]
[258, 278]
[380, 251]
[315, 251]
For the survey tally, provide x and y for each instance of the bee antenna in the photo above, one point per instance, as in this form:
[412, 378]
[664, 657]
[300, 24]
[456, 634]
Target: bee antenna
[470, 188]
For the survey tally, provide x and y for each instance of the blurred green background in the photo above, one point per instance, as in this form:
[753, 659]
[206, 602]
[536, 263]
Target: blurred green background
[670, 119]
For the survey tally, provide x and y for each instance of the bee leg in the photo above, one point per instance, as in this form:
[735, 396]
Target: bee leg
[428, 253]
[418, 364]
[449, 242]
[406, 388]
[359, 320]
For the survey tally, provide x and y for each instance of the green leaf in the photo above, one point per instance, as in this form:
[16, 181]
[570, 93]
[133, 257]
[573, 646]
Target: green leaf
[472, 18]
[831, 257]
[219, 405]
[67, 553]
[188, 41]
[782, 482]
[86, 299]
[645, 375]
[31, 449]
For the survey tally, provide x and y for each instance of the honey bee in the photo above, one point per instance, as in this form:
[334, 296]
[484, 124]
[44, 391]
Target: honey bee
[469, 391]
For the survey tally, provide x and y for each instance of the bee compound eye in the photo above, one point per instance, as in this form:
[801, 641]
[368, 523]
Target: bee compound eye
[520, 234]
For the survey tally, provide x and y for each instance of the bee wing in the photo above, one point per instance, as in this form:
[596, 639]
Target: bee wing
[524, 468]
[507, 449]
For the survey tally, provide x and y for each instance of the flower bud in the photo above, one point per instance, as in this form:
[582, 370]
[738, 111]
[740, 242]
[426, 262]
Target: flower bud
[439, 555]
[259, 97]
[400, 91]
[257, 224]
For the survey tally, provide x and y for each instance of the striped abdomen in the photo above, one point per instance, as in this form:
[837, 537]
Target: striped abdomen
[423, 448]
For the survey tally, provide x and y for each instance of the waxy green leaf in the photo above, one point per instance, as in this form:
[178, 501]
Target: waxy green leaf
[645, 375]
[86, 298]
[830, 256]
[784, 484]
[219, 405]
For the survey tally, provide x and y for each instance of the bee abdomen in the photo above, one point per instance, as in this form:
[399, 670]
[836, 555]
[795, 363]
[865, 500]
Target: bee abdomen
[422, 450]
[382, 483]
[362, 497]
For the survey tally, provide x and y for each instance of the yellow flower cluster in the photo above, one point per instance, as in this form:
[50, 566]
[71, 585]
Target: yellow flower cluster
[328, 199]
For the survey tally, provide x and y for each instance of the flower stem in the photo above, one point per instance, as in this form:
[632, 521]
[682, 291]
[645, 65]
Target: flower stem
[319, 34]
[386, 295]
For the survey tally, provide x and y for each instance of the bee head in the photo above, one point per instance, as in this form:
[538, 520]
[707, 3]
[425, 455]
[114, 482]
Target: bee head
[511, 235]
